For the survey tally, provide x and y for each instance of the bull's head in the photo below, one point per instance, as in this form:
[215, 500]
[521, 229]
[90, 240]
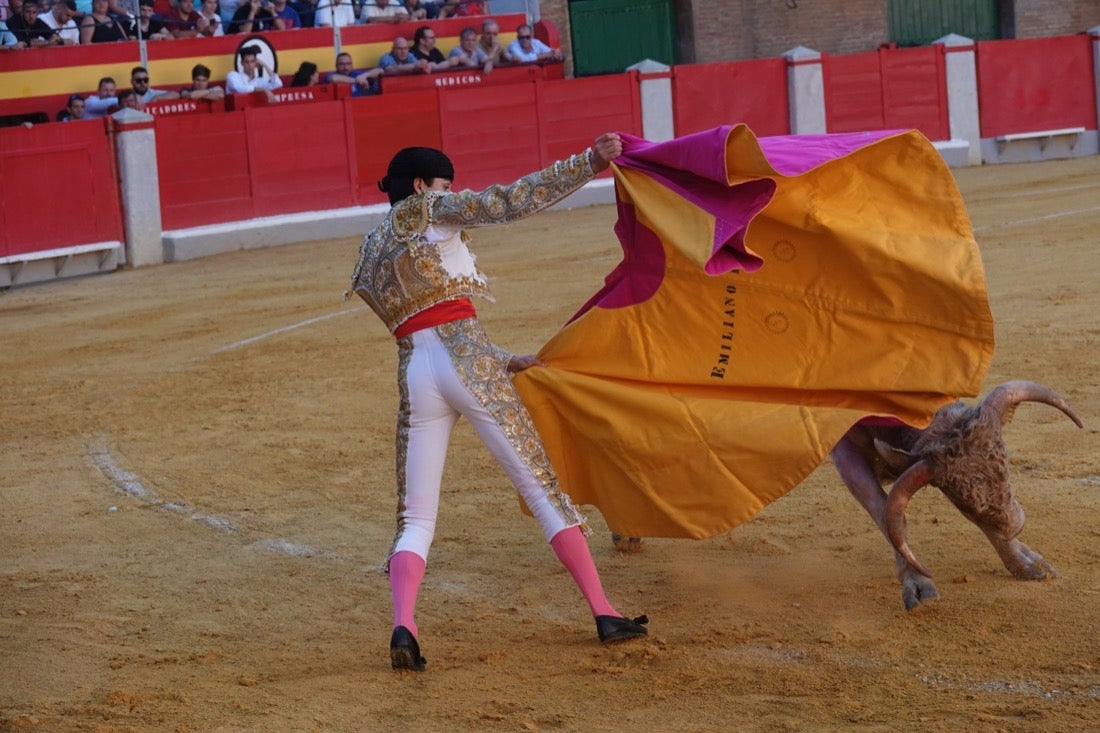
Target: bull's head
[963, 454]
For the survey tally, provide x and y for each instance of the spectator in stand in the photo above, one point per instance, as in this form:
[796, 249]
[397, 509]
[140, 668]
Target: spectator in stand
[185, 22]
[249, 78]
[100, 103]
[418, 10]
[200, 86]
[399, 61]
[306, 75]
[128, 99]
[306, 10]
[334, 13]
[60, 18]
[8, 41]
[364, 81]
[31, 29]
[99, 26]
[252, 17]
[384, 11]
[527, 49]
[151, 26]
[5, 13]
[489, 43]
[139, 80]
[468, 53]
[74, 109]
[461, 8]
[425, 50]
[214, 24]
[287, 14]
[327, 10]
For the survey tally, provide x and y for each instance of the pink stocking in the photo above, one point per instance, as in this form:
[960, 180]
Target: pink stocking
[406, 572]
[572, 550]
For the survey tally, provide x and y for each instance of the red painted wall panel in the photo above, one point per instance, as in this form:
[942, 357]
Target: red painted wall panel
[753, 92]
[491, 134]
[1035, 84]
[202, 161]
[895, 88]
[380, 126]
[298, 158]
[853, 93]
[57, 187]
[914, 92]
[574, 112]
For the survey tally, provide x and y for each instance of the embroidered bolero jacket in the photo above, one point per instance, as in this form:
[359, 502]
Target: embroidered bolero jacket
[417, 257]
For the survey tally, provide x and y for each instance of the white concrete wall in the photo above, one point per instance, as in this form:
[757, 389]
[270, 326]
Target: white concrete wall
[139, 185]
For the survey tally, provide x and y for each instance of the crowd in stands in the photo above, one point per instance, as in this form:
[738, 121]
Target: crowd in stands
[32, 23]
[27, 24]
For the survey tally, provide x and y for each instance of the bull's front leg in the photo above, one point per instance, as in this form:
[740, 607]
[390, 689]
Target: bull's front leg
[1023, 562]
[856, 473]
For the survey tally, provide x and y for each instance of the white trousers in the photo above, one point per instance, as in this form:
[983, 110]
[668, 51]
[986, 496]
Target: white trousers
[451, 371]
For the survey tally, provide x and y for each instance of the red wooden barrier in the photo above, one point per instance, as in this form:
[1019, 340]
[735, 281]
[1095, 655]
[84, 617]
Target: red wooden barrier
[58, 187]
[1036, 84]
[573, 112]
[892, 88]
[380, 126]
[298, 158]
[753, 92]
[202, 162]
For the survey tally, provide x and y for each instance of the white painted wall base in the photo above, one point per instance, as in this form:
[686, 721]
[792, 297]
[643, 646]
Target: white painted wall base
[1035, 149]
[189, 244]
[58, 264]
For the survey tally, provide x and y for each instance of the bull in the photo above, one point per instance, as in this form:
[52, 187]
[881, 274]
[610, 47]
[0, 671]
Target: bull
[962, 453]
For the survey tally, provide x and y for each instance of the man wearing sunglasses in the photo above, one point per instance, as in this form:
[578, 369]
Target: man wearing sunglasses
[527, 49]
[139, 80]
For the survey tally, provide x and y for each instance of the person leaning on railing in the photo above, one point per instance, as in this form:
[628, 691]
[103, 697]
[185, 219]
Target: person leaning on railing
[99, 26]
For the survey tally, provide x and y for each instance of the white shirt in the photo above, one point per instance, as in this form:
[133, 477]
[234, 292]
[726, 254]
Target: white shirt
[392, 9]
[326, 11]
[96, 106]
[237, 83]
[216, 21]
[68, 32]
[515, 50]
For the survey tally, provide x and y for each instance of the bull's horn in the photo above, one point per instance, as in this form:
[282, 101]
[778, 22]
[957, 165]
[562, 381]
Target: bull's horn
[895, 458]
[1005, 397]
[913, 480]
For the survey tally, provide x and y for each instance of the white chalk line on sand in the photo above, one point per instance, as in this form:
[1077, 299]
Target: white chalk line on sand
[1034, 219]
[132, 485]
[284, 329]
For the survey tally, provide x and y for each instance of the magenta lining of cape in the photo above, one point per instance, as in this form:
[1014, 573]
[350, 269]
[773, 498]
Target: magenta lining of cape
[694, 167]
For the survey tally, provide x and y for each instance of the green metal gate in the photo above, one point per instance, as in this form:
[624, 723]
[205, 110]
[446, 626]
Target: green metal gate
[919, 22]
[610, 35]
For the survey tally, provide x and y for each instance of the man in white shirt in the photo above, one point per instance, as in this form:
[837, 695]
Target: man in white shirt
[334, 13]
[384, 11]
[249, 79]
[100, 103]
[527, 49]
[60, 18]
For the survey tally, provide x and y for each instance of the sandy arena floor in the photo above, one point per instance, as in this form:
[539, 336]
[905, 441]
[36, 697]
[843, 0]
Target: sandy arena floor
[196, 492]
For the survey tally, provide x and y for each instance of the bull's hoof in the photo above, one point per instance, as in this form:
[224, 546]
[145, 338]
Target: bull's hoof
[627, 544]
[917, 589]
[1035, 568]
[1023, 562]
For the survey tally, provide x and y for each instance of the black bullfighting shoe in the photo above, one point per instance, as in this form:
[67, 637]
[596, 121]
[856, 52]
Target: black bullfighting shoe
[405, 652]
[617, 628]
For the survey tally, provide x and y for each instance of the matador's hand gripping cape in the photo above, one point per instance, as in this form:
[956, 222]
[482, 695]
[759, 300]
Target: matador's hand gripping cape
[772, 293]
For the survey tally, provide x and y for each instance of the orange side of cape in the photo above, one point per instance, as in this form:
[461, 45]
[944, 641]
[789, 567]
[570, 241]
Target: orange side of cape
[687, 412]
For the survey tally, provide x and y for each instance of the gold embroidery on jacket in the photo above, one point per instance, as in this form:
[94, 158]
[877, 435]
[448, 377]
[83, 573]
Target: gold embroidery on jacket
[482, 368]
[404, 421]
[400, 273]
